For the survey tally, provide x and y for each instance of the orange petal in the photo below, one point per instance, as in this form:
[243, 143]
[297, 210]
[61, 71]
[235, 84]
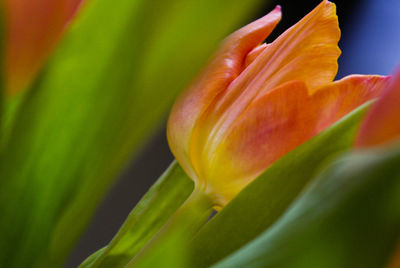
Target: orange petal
[278, 122]
[254, 54]
[33, 28]
[306, 52]
[266, 130]
[382, 123]
[335, 100]
[221, 71]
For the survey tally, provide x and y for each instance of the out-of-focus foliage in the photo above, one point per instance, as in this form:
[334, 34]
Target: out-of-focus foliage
[153, 210]
[175, 234]
[107, 86]
[350, 217]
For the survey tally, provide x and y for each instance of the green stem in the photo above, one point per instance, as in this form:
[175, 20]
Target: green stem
[182, 226]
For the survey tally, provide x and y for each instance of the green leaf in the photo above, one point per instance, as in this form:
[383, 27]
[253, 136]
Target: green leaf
[152, 212]
[170, 255]
[349, 218]
[175, 234]
[105, 89]
[262, 202]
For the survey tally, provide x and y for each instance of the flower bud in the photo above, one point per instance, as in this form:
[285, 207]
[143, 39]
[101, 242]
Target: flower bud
[256, 102]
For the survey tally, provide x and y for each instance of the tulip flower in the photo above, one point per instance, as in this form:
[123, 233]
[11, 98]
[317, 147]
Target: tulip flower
[256, 102]
[33, 28]
[382, 123]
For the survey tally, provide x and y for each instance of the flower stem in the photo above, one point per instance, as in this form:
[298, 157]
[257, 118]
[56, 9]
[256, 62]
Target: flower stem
[179, 229]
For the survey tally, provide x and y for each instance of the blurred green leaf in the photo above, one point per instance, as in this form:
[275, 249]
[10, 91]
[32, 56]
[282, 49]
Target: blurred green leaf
[105, 89]
[349, 218]
[173, 254]
[152, 212]
[261, 203]
[175, 235]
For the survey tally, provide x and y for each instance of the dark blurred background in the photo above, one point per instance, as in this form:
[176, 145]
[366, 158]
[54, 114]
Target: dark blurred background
[370, 44]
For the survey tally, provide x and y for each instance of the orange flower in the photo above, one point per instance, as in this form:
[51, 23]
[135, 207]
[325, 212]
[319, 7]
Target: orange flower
[256, 102]
[382, 123]
[33, 28]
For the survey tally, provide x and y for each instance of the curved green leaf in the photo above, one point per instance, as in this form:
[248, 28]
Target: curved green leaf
[262, 202]
[173, 237]
[349, 218]
[152, 212]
